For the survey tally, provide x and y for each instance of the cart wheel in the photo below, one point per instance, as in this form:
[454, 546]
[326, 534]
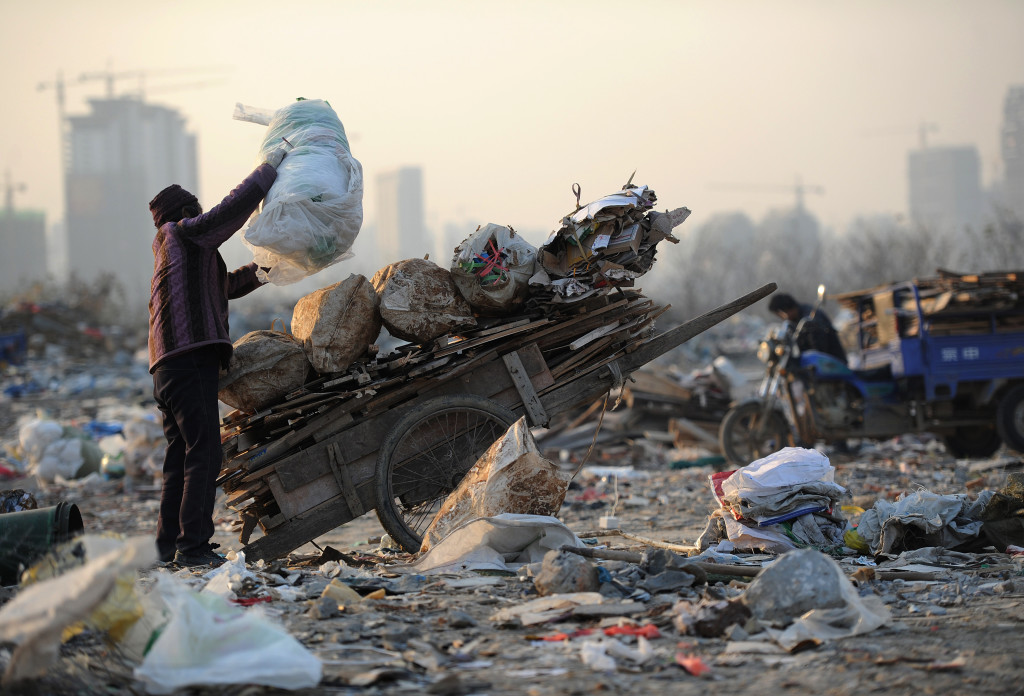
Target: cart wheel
[1010, 418]
[426, 454]
[744, 439]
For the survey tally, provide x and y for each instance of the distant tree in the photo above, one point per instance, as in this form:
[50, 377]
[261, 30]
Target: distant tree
[997, 246]
[789, 246]
[882, 249]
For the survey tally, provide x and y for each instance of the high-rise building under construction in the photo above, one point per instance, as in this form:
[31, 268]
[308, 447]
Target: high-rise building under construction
[119, 156]
[1012, 146]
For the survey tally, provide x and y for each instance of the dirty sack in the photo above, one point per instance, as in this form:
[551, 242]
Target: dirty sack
[264, 367]
[492, 269]
[86, 583]
[1003, 515]
[337, 324]
[805, 598]
[781, 501]
[419, 302]
[501, 542]
[510, 477]
[207, 641]
[313, 211]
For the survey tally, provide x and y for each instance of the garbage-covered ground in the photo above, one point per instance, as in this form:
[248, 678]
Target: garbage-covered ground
[952, 624]
[656, 593]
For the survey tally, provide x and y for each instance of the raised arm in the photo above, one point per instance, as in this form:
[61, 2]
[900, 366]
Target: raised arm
[214, 227]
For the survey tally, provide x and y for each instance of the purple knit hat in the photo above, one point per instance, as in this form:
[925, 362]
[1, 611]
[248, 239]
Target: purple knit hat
[167, 205]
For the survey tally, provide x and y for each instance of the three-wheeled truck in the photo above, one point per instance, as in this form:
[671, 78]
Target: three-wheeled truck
[943, 354]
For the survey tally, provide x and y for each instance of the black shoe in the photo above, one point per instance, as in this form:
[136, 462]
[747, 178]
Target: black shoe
[199, 557]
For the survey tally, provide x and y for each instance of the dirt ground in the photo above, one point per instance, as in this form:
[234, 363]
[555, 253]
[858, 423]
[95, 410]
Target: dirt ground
[436, 634]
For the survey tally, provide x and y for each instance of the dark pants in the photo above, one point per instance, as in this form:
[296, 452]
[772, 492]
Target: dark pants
[185, 389]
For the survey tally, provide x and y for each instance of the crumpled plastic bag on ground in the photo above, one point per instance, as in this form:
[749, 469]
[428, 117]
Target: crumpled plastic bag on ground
[208, 641]
[313, 211]
[492, 543]
[809, 588]
[41, 612]
[510, 477]
[921, 519]
[225, 580]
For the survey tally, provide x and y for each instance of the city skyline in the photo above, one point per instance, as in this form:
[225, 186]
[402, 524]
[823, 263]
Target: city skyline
[507, 105]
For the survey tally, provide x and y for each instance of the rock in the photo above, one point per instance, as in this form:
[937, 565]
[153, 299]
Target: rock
[323, 608]
[460, 619]
[563, 572]
[799, 581]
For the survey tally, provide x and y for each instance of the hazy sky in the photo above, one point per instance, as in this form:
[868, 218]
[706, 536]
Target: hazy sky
[506, 104]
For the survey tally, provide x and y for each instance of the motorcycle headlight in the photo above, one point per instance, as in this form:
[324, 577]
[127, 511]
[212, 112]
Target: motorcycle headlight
[764, 351]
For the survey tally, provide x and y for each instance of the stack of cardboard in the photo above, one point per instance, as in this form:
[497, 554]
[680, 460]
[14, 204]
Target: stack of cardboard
[605, 244]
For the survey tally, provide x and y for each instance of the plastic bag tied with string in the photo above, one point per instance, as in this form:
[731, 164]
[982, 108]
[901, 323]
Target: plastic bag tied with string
[313, 212]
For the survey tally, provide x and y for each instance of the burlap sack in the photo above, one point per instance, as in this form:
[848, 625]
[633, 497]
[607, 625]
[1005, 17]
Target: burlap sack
[265, 366]
[337, 324]
[419, 302]
[512, 476]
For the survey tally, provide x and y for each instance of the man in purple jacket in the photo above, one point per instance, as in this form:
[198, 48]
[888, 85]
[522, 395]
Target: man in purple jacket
[188, 344]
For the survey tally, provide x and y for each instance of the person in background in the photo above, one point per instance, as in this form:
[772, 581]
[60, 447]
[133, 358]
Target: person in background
[818, 333]
[188, 345]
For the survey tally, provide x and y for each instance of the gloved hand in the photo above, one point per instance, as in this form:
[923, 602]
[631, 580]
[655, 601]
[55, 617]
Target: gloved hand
[275, 157]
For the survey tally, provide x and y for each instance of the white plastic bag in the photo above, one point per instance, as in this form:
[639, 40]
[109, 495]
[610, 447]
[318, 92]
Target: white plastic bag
[313, 212]
[208, 641]
[492, 269]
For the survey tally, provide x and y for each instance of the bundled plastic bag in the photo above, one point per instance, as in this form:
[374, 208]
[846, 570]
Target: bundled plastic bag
[313, 212]
[264, 367]
[338, 323]
[492, 269]
[419, 302]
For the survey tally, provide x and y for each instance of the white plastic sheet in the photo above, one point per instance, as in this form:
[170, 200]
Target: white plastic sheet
[208, 641]
[485, 543]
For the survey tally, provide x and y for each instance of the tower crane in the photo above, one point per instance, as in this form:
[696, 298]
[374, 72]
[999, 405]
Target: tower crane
[798, 189]
[109, 77]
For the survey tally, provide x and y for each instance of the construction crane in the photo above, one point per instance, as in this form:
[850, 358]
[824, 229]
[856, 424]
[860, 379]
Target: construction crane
[798, 189]
[109, 77]
[10, 188]
[923, 129]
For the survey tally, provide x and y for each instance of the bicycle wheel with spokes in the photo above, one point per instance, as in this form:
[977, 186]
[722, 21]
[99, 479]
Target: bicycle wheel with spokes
[425, 456]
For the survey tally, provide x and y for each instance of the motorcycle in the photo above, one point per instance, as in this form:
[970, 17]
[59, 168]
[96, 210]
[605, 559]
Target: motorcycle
[811, 397]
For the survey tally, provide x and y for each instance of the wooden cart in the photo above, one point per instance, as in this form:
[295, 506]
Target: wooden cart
[400, 440]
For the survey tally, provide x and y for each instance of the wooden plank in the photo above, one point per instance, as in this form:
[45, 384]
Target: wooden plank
[461, 346]
[521, 380]
[665, 342]
[289, 536]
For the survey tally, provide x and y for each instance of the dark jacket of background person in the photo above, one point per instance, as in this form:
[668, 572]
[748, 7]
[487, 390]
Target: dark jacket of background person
[188, 306]
[819, 334]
